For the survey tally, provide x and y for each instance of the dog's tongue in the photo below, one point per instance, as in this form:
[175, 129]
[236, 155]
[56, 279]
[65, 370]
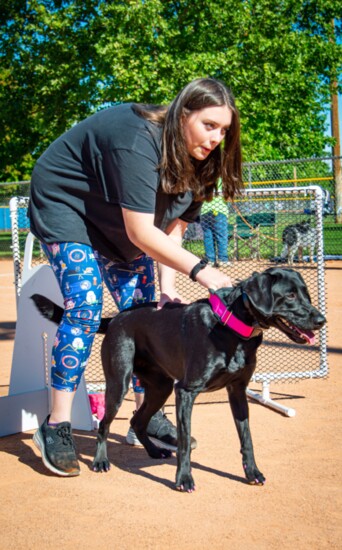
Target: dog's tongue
[307, 335]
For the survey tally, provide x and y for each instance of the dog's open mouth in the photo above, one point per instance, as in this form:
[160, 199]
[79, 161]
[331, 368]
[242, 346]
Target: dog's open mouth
[296, 334]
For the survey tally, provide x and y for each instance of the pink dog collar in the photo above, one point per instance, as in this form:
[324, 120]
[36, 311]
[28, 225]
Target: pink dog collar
[228, 319]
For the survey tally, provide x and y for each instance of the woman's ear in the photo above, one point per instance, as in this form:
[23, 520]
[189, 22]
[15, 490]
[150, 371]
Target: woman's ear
[183, 120]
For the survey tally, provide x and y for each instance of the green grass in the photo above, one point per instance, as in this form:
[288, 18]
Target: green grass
[5, 245]
[332, 237]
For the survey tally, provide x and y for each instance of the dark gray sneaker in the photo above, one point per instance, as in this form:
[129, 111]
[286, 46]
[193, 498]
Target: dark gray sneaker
[58, 448]
[163, 433]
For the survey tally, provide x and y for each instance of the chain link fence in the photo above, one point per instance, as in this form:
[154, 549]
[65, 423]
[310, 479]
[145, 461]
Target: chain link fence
[324, 172]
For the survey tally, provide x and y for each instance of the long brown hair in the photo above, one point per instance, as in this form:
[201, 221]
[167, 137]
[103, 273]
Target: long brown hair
[178, 171]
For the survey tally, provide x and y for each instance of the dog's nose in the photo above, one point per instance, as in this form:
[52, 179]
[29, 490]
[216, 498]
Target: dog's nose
[319, 320]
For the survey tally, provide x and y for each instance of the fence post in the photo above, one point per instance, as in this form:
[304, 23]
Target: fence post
[15, 245]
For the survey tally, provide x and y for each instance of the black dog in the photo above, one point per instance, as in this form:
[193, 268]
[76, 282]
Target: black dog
[205, 346]
[296, 237]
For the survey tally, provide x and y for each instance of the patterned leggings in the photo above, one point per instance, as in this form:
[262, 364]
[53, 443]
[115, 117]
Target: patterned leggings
[80, 271]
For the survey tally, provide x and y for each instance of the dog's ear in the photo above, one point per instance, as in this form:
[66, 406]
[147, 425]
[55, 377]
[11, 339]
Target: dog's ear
[259, 291]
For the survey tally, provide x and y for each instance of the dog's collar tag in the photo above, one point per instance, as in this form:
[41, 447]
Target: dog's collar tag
[228, 319]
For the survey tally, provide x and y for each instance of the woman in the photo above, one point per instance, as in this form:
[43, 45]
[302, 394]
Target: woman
[108, 197]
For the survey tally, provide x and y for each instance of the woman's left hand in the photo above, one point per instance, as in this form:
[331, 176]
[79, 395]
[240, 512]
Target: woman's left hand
[170, 296]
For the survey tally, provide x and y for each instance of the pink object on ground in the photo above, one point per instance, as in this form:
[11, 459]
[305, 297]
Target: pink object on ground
[97, 404]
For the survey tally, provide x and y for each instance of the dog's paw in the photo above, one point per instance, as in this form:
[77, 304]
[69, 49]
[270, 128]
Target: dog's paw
[253, 475]
[101, 465]
[185, 483]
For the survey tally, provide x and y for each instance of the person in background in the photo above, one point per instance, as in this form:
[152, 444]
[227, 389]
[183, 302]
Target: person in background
[214, 223]
[107, 198]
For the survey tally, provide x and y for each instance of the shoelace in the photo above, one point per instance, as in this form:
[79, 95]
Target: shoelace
[66, 436]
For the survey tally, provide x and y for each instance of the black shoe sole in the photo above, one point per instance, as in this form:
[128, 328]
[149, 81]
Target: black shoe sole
[168, 446]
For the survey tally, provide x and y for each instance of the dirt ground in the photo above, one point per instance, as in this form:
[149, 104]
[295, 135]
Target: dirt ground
[134, 506]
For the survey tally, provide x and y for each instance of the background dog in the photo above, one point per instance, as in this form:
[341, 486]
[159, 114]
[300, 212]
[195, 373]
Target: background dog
[296, 237]
[193, 345]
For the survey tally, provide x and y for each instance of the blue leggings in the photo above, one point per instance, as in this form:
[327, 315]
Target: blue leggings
[80, 271]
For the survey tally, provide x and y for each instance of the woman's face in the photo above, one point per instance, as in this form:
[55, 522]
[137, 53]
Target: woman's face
[205, 129]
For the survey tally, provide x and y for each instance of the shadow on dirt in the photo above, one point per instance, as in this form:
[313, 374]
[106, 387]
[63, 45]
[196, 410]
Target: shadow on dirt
[129, 459]
[7, 330]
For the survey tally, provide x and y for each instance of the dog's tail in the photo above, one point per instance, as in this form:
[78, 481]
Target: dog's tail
[54, 313]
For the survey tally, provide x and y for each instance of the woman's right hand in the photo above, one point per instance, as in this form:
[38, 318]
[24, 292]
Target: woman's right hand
[213, 278]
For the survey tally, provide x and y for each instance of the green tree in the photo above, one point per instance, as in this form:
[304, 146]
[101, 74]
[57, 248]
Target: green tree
[62, 60]
[47, 77]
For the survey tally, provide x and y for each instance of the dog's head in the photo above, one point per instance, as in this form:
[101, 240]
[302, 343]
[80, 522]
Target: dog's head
[280, 298]
[303, 226]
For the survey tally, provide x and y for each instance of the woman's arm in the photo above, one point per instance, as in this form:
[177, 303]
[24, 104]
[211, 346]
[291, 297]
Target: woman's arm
[166, 250]
[167, 275]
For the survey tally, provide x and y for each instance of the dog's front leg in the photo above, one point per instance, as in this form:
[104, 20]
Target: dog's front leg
[101, 462]
[239, 406]
[184, 403]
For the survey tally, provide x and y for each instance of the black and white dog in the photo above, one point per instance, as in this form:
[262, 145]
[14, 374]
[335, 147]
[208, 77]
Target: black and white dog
[295, 238]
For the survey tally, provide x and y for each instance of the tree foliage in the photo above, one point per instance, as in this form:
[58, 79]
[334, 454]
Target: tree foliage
[63, 59]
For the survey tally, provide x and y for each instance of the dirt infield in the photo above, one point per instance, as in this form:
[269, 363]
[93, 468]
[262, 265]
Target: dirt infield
[134, 506]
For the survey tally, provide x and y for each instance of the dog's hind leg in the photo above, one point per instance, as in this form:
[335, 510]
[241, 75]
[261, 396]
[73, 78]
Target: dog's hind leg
[184, 403]
[157, 389]
[292, 251]
[239, 406]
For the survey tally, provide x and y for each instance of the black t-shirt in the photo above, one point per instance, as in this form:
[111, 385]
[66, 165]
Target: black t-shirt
[106, 162]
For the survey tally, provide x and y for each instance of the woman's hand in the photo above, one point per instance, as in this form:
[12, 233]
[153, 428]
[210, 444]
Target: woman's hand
[170, 296]
[211, 277]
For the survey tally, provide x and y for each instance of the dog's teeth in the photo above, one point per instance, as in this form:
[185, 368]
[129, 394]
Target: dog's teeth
[308, 336]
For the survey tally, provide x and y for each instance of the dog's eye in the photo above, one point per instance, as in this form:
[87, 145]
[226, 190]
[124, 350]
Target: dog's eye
[291, 296]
